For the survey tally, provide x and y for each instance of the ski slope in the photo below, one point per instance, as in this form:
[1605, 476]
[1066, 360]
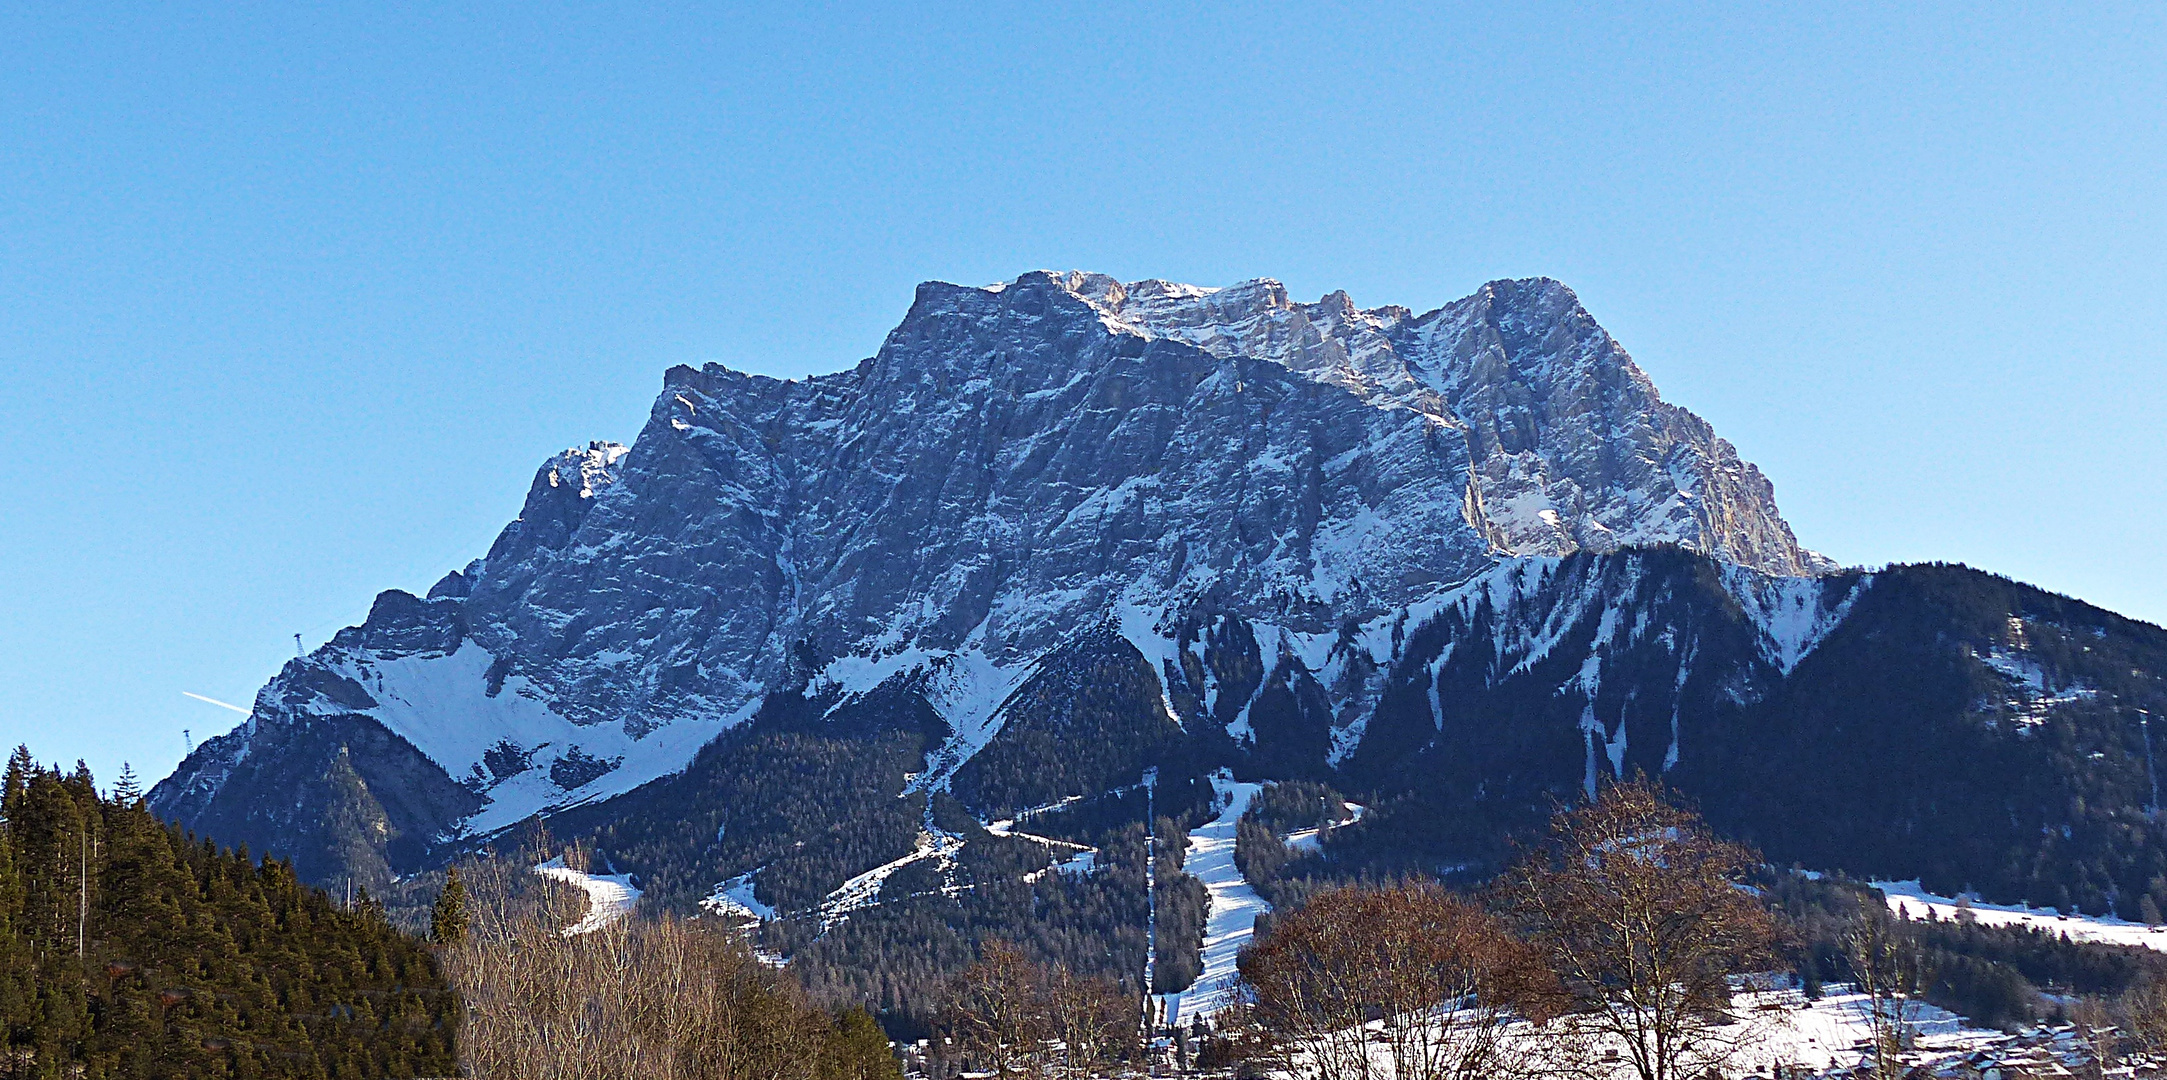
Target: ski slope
[1234, 905]
[610, 897]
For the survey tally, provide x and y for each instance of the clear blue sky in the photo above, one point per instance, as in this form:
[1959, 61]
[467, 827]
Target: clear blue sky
[293, 301]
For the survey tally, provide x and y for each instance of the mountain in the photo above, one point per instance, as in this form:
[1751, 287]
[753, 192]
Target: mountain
[816, 646]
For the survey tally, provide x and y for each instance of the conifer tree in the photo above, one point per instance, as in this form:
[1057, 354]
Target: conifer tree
[858, 1049]
[15, 984]
[127, 789]
[20, 767]
[448, 918]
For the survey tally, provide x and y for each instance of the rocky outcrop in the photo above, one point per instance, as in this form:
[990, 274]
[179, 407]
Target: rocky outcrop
[1570, 446]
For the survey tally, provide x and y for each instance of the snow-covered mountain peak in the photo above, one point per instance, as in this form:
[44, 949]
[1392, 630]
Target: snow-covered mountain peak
[1572, 446]
[1013, 467]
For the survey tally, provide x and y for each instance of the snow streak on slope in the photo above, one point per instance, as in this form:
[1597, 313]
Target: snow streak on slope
[1310, 841]
[1079, 858]
[610, 897]
[1234, 905]
[863, 891]
[1790, 612]
[966, 689]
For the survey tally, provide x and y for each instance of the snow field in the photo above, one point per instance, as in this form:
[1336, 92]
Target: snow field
[441, 704]
[1909, 899]
[735, 898]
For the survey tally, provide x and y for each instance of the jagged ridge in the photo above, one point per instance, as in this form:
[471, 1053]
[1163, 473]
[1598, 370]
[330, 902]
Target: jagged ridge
[1018, 464]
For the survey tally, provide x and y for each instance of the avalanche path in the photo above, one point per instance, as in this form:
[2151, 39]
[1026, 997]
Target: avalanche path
[1232, 918]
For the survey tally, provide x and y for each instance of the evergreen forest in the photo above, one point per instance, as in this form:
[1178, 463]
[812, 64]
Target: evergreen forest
[129, 948]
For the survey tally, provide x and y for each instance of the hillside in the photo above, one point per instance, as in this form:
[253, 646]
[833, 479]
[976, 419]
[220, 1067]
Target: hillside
[129, 949]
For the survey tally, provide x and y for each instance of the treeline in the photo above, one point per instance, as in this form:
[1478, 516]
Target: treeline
[130, 949]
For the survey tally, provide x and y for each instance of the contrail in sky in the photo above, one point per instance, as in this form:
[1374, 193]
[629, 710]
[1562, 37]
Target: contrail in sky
[220, 704]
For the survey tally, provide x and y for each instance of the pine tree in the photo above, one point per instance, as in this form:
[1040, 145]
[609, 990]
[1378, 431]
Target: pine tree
[448, 918]
[858, 1049]
[15, 982]
[20, 768]
[127, 789]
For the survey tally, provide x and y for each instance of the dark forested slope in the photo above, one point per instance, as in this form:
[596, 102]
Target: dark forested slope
[128, 949]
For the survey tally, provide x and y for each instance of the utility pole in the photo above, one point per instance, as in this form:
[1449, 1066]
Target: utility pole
[1151, 894]
[2144, 722]
[82, 903]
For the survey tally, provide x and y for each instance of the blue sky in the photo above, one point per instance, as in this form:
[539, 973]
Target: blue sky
[293, 301]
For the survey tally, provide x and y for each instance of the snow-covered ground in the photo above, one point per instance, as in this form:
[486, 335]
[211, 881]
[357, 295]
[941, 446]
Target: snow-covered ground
[1071, 858]
[1234, 905]
[734, 898]
[1789, 1030]
[1781, 1027]
[1231, 923]
[1908, 898]
[1311, 841]
[864, 890]
[966, 688]
[610, 897]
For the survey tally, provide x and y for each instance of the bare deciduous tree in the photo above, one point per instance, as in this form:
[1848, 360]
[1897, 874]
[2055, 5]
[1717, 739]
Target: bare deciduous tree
[1015, 1017]
[1639, 909]
[1889, 969]
[2095, 1024]
[1094, 1023]
[992, 1012]
[655, 1000]
[1440, 978]
[2143, 1012]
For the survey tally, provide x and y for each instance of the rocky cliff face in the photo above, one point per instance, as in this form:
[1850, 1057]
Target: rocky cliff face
[1254, 496]
[1569, 445]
